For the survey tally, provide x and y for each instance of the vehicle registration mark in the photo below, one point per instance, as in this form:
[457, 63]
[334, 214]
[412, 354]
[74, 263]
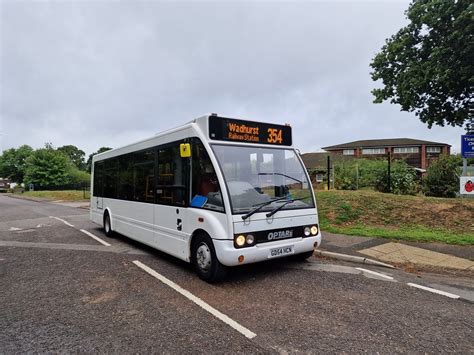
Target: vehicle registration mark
[282, 251]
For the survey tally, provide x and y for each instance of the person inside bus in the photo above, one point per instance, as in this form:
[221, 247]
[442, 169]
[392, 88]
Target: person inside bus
[206, 191]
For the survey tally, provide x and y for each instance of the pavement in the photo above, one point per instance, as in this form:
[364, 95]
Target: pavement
[433, 256]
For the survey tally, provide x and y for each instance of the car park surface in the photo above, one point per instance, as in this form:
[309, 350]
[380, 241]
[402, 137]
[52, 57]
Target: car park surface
[64, 291]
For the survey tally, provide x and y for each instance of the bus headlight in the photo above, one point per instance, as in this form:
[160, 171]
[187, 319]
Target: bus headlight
[240, 240]
[314, 230]
[250, 239]
[307, 231]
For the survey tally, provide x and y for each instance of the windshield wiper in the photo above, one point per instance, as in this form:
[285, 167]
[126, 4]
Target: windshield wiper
[259, 206]
[276, 209]
[288, 176]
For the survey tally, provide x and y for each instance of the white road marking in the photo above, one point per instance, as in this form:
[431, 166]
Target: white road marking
[375, 273]
[241, 329]
[62, 220]
[439, 292]
[95, 237]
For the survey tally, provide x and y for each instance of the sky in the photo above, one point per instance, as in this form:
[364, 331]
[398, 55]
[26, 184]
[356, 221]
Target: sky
[108, 73]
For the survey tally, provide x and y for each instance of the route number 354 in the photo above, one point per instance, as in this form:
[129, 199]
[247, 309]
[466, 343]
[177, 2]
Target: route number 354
[274, 135]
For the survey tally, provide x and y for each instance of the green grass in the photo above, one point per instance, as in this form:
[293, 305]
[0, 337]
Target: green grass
[66, 195]
[413, 218]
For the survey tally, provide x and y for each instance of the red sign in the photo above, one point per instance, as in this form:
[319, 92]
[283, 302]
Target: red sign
[469, 186]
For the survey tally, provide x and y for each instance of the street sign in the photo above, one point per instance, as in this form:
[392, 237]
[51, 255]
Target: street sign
[467, 146]
[466, 185]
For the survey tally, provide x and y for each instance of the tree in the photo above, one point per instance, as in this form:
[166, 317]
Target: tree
[47, 167]
[442, 177]
[89, 161]
[13, 163]
[76, 155]
[427, 66]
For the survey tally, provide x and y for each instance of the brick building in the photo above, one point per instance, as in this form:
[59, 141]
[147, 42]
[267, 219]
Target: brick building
[417, 153]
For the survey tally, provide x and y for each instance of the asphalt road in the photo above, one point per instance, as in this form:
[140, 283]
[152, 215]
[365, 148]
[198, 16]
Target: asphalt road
[63, 291]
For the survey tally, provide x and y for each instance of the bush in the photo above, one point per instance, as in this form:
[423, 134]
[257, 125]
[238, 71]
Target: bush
[403, 179]
[77, 176]
[442, 177]
[358, 173]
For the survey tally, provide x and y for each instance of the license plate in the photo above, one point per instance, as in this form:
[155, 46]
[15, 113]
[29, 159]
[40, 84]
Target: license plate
[282, 251]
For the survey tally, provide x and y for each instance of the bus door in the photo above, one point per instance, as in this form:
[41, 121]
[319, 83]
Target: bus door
[172, 186]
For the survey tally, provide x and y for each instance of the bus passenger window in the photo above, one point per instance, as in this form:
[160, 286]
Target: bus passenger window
[205, 192]
[171, 188]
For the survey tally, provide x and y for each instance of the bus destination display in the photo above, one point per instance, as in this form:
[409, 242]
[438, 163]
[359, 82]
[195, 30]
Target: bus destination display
[229, 129]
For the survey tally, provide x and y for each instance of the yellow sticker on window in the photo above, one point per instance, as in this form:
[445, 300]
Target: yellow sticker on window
[185, 150]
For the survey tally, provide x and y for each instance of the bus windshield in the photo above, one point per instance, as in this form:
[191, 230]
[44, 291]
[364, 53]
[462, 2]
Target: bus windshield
[256, 176]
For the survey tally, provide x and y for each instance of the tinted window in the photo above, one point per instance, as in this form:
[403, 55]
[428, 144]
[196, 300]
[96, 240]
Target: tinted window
[110, 177]
[98, 178]
[144, 176]
[205, 189]
[171, 188]
[125, 188]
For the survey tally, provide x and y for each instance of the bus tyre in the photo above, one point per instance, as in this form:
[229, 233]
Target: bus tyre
[205, 260]
[303, 256]
[108, 226]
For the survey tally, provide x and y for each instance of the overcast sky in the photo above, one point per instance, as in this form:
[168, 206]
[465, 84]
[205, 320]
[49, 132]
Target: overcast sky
[107, 73]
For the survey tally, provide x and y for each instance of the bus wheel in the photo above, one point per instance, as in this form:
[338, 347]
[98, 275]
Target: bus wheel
[205, 260]
[107, 225]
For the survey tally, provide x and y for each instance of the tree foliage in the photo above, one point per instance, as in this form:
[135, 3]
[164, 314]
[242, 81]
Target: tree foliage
[47, 167]
[13, 163]
[76, 155]
[442, 177]
[89, 161]
[427, 66]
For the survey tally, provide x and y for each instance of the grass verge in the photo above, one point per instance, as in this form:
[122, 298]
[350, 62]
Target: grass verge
[66, 195]
[413, 218]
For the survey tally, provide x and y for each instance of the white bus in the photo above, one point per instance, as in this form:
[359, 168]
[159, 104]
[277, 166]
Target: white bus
[215, 192]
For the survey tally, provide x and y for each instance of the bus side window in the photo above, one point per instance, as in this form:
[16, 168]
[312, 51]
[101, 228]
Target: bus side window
[144, 176]
[171, 188]
[98, 179]
[205, 190]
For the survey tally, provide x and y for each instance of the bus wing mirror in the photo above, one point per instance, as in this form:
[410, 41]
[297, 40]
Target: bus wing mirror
[185, 150]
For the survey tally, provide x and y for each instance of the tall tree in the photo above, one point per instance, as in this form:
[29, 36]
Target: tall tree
[427, 67]
[76, 155]
[46, 167]
[13, 163]
[89, 161]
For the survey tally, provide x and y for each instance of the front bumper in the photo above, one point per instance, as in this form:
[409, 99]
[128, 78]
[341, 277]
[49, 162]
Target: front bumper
[228, 255]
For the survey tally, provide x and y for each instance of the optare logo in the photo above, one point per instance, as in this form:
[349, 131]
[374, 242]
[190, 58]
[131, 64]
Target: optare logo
[280, 235]
[469, 186]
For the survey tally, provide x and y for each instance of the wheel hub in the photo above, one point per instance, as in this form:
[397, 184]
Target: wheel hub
[203, 257]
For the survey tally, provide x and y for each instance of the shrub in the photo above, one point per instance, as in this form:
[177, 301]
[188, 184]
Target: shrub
[358, 173]
[77, 176]
[442, 177]
[403, 179]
